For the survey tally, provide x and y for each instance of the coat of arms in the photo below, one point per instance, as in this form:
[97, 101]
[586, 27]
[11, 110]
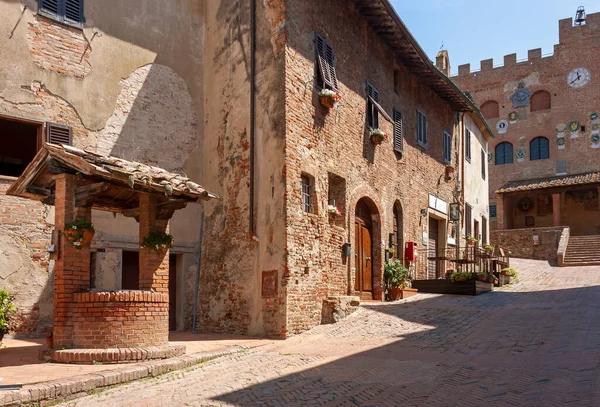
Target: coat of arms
[521, 96]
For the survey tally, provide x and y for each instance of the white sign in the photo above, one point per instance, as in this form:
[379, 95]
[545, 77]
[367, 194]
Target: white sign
[438, 204]
[502, 126]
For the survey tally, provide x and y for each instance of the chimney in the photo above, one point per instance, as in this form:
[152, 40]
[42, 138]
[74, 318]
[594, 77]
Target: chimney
[442, 62]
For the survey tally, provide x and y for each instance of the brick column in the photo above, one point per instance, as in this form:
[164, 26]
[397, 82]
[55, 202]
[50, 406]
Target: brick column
[500, 212]
[556, 209]
[154, 267]
[72, 266]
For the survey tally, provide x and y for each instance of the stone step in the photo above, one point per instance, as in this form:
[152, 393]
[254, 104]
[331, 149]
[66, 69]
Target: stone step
[582, 263]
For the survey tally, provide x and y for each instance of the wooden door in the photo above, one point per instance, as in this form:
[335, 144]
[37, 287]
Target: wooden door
[363, 257]
[432, 249]
[172, 292]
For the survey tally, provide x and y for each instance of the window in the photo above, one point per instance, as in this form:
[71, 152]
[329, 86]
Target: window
[398, 136]
[490, 109]
[65, 11]
[468, 145]
[19, 143]
[504, 153]
[326, 76]
[468, 219]
[306, 194]
[540, 100]
[447, 148]
[372, 110]
[492, 211]
[483, 160]
[539, 149]
[421, 128]
[484, 227]
[397, 81]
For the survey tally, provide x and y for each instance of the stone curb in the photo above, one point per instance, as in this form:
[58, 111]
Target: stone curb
[69, 388]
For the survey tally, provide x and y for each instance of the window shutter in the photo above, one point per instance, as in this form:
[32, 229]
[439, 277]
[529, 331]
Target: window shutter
[326, 61]
[49, 6]
[59, 134]
[398, 136]
[468, 145]
[373, 92]
[544, 148]
[73, 10]
[483, 164]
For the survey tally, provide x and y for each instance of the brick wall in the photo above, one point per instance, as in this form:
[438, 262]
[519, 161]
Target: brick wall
[121, 319]
[577, 48]
[533, 243]
[321, 143]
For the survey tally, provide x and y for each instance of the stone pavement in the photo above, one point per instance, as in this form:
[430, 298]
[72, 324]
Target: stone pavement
[536, 343]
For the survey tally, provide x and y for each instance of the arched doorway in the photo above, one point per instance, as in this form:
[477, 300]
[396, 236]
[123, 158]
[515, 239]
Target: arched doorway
[363, 252]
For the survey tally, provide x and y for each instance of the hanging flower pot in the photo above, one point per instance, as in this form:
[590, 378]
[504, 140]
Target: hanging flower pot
[79, 233]
[334, 210]
[160, 242]
[378, 136]
[328, 98]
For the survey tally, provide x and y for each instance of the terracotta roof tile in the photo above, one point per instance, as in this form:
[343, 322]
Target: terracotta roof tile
[551, 182]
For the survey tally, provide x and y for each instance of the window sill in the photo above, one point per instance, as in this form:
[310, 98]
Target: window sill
[56, 19]
[421, 145]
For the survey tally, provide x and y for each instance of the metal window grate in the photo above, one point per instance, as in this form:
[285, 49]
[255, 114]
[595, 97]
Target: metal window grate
[59, 134]
[306, 194]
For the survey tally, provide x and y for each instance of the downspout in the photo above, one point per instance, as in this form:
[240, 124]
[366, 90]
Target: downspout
[198, 260]
[252, 112]
[462, 180]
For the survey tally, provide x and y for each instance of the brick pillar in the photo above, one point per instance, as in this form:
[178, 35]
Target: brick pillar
[556, 209]
[72, 266]
[154, 267]
[500, 225]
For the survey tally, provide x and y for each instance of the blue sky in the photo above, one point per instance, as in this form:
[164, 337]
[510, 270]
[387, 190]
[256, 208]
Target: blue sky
[472, 30]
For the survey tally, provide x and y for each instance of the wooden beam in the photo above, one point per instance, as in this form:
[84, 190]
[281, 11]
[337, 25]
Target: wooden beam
[38, 191]
[85, 195]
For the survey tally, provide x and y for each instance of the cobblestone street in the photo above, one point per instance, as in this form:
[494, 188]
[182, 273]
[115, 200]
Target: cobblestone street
[535, 343]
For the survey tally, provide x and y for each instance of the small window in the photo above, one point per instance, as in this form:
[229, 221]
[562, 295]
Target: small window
[398, 132]
[468, 145]
[492, 211]
[539, 149]
[421, 128]
[19, 143]
[397, 81]
[65, 11]
[504, 153]
[325, 61]
[447, 148]
[540, 100]
[372, 110]
[307, 204]
[483, 161]
[490, 109]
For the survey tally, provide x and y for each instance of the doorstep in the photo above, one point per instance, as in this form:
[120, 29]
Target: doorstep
[78, 386]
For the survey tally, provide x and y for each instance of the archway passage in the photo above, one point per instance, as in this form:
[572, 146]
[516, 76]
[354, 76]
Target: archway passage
[363, 253]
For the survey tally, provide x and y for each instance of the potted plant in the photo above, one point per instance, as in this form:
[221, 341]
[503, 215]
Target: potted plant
[378, 136]
[397, 280]
[334, 210]
[79, 233]
[460, 276]
[328, 97]
[510, 273]
[6, 309]
[471, 241]
[481, 276]
[489, 249]
[160, 242]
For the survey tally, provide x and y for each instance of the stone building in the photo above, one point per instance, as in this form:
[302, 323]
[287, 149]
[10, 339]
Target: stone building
[545, 161]
[227, 93]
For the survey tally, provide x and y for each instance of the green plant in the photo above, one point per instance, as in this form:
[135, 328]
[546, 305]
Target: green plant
[157, 241]
[471, 239]
[74, 231]
[96, 362]
[489, 247]
[460, 276]
[6, 309]
[396, 275]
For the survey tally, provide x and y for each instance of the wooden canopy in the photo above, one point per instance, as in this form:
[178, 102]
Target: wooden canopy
[107, 183]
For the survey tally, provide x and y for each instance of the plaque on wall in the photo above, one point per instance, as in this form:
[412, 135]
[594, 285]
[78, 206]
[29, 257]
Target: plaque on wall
[521, 96]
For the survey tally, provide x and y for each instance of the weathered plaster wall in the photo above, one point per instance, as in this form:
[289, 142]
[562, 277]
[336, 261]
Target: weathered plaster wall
[233, 260]
[321, 142]
[476, 188]
[130, 83]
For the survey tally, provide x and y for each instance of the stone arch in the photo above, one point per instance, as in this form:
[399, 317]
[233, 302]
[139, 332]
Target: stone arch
[540, 100]
[490, 109]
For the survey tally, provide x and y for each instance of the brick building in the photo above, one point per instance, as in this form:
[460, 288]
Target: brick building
[228, 93]
[545, 161]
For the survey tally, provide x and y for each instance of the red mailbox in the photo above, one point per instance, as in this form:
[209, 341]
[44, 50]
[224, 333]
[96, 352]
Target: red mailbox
[410, 251]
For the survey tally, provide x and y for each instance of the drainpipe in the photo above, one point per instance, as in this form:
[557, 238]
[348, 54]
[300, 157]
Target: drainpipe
[252, 112]
[462, 179]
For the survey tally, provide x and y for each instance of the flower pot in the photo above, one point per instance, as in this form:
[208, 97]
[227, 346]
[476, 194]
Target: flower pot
[70, 234]
[327, 101]
[470, 243]
[88, 235]
[460, 279]
[377, 140]
[50, 343]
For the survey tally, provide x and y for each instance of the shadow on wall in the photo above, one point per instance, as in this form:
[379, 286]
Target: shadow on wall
[468, 350]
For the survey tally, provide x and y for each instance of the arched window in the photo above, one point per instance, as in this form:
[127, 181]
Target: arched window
[490, 109]
[539, 148]
[504, 153]
[540, 100]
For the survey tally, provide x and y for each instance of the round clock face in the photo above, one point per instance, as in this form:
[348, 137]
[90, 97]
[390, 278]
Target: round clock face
[578, 77]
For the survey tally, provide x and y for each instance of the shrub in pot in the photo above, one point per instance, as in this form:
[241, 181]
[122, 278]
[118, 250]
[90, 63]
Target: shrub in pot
[460, 276]
[160, 242]
[397, 278]
[471, 241]
[79, 233]
[7, 308]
